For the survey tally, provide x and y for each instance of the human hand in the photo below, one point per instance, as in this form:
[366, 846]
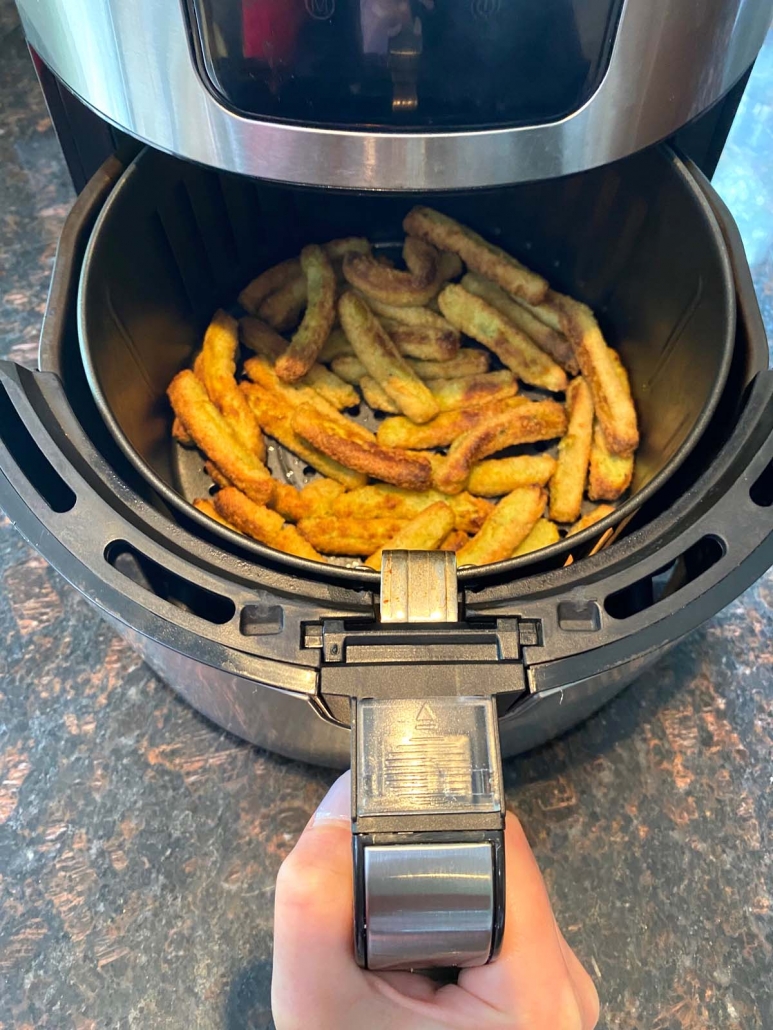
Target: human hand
[537, 983]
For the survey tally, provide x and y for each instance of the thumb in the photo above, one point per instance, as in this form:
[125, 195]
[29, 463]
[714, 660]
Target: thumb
[314, 968]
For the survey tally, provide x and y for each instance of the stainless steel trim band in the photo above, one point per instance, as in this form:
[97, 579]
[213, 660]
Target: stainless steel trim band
[130, 60]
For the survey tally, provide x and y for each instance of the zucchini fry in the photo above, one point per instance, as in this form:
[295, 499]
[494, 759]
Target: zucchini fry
[479, 255]
[501, 476]
[424, 532]
[544, 534]
[213, 435]
[568, 483]
[610, 474]
[473, 316]
[443, 430]
[508, 525]
[383, 361]
[262, 524]
[318, 320]
[348, 536]
[469, 391]
[599, 512]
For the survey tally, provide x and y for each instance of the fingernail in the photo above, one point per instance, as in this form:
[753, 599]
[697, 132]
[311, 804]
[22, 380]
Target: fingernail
[336, 806]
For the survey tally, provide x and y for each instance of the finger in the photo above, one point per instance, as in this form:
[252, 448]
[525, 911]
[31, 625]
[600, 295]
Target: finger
[530, 977]
[584, 987]
[313, 953]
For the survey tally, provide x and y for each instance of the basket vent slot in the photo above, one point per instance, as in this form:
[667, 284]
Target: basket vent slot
[762, 489]
[31, 460]
[167, 585]
[667, 581]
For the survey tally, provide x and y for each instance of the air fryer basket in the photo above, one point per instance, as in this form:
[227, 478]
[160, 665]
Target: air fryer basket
[637, 241]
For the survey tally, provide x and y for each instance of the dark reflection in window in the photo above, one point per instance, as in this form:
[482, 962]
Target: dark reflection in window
[406, 64]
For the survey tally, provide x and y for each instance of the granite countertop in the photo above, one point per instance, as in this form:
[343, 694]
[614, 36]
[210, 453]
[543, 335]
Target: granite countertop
[139, 844]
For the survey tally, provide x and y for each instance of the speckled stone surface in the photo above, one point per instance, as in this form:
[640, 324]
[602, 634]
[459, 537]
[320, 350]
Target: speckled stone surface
[139, 844]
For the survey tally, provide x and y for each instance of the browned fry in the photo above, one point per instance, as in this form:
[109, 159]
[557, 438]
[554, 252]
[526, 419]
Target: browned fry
[316, 498]
[478, 319]
[214, 437]
[216, 367]
[501, 476]
[386, 463]
[610, 474]
[443, 430]
[329, 386]
[424, 532]
[379, 499]
[269, 282]
[206, 507]
[507, 526]
[392, 286]
[479, 255]
[449, 266]
[295, 394]
[544, 534]
[455, 541]
[337, 250]
[282, 310]
[262, 524]
[554, 343]
[427, 343]
[180, 434]
[318, 320]
[539, 420]
[600, 512]
[469, 391]
[547, 312]
[469, 512]
[383, 361]
[376, 397]
[568, 483]
[416, 318]
[348, 536]
[335, 346]
[275, 416]
[611, 397]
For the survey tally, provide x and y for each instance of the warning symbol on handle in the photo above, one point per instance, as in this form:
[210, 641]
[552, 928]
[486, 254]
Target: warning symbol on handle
[426, 720]
[321, 10]
[485, 9]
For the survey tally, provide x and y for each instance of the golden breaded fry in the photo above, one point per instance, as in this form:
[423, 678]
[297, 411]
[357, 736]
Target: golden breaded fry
[392, 286]
[598, 513]
[507, 526]
[282, 310]
[217, 370]
[473, 316]
[539, 420]
[443, 430]
[469, 391]
[337, 250]
[316, 498]
[261, 338]
[269, 282]
[383, 361]
[544, 534]
[468, 362]
[455, 541]
[501, 476]
[334, 390]
[335, 346]
[206, 507]
[348, 536]
[568, 482]
[611, 398]
[262, 524]
[386, 463]
[380, 499]
[180, 434]
[295, 394]
[449, 266]
[376, 397]
[424, 532]
[416, 318]
[479, 255]
[469, 512]
[318, 320]
[610, 474]
[214, 437]
[275, 416]
[555, 344]
[547, 312]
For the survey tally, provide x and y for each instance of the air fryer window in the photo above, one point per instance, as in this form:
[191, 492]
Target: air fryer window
[406, 64]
